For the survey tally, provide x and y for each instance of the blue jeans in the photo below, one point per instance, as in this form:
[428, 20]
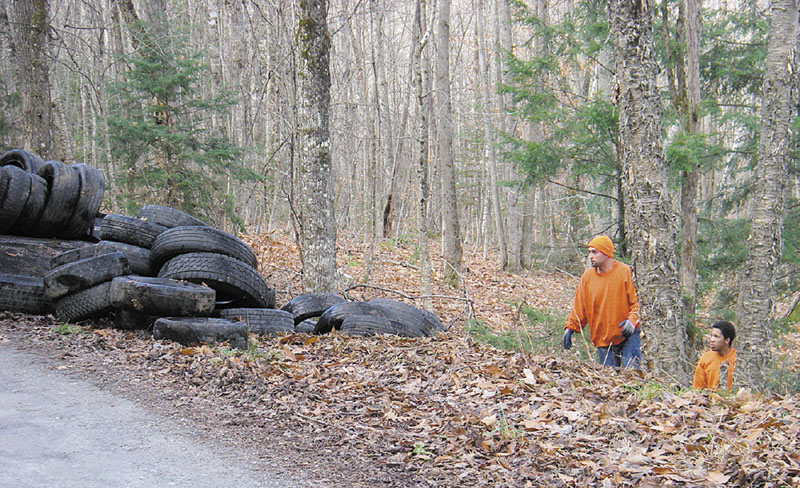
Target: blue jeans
[627, 354]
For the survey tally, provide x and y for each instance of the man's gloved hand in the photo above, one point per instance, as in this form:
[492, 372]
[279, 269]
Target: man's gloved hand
[567, 341]
[627, 328]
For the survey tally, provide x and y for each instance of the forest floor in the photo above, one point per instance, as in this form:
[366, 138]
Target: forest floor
[445, 411]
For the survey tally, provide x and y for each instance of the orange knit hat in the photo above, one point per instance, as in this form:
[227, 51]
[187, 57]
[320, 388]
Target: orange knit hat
[602, 244]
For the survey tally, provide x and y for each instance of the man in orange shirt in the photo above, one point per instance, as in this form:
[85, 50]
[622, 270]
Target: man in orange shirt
[717, 363]
[606, 301]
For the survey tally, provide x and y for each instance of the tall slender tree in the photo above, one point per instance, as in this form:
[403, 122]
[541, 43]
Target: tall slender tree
[755, 310]
[317, 225]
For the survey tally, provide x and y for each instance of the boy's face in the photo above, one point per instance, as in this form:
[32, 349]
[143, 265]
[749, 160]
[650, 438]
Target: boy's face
[717, 341]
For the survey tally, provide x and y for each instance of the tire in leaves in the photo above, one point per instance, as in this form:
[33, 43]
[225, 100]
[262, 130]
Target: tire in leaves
[262, 321]
[130, 320]
[236, 282]
[310, 305]
[22, 293]
[84, 273]
[198, 238]
[409, 314]
[193, 331]
[368, 325]
[161, 296]
[333, 317]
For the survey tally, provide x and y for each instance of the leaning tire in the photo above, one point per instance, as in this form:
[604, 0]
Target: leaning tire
[12, 204]
[25, 294]
[310, 305]
[161, 296]
[84, 273]
[367, 325]
[167, 216]
[130, 230]
[262, 321]
[34, 206]
[22, 159]
[305, 327]
[198, 238]
[192, 331]
[90, 197]
[409, 314]
[235, 281]
[85, 304]
[73, 255]
[138, 257]
[334, 316]
[63, 187]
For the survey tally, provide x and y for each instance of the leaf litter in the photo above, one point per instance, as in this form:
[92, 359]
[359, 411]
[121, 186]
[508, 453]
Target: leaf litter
[445, 411]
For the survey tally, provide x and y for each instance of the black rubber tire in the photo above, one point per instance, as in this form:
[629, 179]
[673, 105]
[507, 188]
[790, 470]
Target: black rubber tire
[409, 314]
[63, 190]
[167, 216]
[22, 159]
[199, 238]
[192, 331]
[130, 230]
[84, 273]
[162, 296]
[73, 255]
[85, 304]
[234, 280]
[25, 294]
[305, 327]
[367, 325]
[34, 206]
[333, 317]
[262, 321]
[310, 305]
[138, 257]
[12, 204]
[130, 320]
[90, 197]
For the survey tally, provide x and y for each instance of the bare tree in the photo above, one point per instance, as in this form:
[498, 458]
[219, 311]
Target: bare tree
[652, 228]
[757, 289]
[316, 213]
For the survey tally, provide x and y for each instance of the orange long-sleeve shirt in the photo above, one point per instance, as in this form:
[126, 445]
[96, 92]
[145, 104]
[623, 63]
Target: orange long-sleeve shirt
[706, 373]
[602, 301]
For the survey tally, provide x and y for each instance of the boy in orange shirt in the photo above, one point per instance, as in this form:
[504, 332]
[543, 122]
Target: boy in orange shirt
[606, 301]
[719, 361]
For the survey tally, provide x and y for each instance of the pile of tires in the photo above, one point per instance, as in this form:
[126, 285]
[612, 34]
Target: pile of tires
[48, 198]
[361, 318]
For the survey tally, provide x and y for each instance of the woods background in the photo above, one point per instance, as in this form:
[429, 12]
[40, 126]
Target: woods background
[523, 126]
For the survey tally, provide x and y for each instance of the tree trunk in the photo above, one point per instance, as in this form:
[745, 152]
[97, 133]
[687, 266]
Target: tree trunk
[757, 285]
[651, 223]
[420, 39]
[28, 20]
[317, 224]
[452, 234]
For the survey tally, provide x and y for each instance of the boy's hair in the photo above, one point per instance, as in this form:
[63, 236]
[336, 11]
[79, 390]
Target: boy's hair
[728, 332]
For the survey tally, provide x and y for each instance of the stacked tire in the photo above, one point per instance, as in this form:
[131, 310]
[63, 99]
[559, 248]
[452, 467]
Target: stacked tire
[48, 198]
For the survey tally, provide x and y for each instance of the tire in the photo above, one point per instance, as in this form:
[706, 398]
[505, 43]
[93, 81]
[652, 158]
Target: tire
[234, 280]
[310, 305]
[262, 321]
[129, 230]
[90, 197]
[409, 314]
[138, 257]
[22, 159]
[72, 255]
[367, 325]
[130, 320]
[167, 216]
[34, 206]
[161, 296]
[305, 327]
[84, 304]
[63, 190]
[192, 331]
[84, 273]
[12, 204]
[333, 317]
[25, 294]
[199, 238]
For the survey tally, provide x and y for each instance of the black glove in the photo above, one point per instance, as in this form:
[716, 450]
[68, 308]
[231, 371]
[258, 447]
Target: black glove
[627, 328]
[567, 341]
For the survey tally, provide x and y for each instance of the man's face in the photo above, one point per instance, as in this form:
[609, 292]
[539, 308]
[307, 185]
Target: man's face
[716, 340]
[596, 257]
